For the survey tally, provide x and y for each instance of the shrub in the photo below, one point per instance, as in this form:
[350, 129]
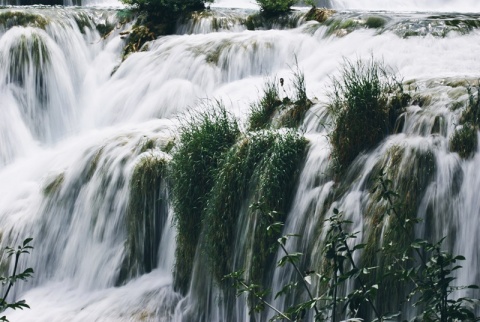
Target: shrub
[275, 6]
[204, 138]
[360, 109]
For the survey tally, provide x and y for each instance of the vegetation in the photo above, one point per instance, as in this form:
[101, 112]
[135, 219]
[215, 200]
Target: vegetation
[263, 111]
[260, 168]
[146, 215]
[204, 138]
[274, 7]
[359, 106]
[17, 18]
[465, 140]
[9, 281]
[423, 267]
[272, 110]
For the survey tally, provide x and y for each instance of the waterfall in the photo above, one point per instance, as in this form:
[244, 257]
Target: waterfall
[86, 139]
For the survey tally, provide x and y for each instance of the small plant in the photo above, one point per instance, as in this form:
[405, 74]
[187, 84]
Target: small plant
[12, 279]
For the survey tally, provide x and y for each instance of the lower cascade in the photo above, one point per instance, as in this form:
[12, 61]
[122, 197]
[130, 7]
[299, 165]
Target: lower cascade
[313, 166]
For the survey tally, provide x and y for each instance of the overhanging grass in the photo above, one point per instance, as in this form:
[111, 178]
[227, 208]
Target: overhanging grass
[360, 109]
[260, 170]
[204, 138]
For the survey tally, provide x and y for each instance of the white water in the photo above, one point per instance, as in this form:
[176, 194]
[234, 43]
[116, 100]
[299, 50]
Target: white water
[80, 115]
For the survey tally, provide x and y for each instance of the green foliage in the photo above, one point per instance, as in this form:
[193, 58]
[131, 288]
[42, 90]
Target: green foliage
[146, 215]
[273, 7]
[262, 111]
[359, 106]
[465, 141]
[291, 111]
[204, 138]
[261, 166]
[9, 281]
[165, 11]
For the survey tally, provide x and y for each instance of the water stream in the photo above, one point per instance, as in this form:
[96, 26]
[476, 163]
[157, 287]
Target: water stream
[76, 122]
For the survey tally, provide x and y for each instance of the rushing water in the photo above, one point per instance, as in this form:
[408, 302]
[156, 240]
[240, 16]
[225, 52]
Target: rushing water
[75, 121]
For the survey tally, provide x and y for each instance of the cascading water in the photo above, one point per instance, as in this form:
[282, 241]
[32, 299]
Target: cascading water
[84, 137]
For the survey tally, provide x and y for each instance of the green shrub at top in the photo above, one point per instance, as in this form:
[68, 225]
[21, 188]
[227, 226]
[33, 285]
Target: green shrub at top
[257, 173]
[165, 11]
[360, 109]
[275, 6]
[203, 140]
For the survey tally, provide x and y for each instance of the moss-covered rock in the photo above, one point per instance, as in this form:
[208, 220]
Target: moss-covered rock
[465, 141]
[319, 14]
[146, 215]
[136, 39]
[24, 19]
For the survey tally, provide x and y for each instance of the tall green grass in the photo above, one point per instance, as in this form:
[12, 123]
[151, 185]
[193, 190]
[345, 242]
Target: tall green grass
[359, 106]
[204, 138]
[257, 179]
[262, 111]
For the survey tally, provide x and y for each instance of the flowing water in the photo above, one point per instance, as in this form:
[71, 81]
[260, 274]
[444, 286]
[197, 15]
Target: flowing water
[76, 121]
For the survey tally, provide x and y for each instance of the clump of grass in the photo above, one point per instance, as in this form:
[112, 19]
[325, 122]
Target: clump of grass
[295, 113]
[260, 168]
[465, 141]
[146, 215]
[360, 109]
[204, 138]
[262, 111]
[291, 111]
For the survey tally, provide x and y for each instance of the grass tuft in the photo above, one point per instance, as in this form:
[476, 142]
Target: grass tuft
[360, 109]
[204, 139]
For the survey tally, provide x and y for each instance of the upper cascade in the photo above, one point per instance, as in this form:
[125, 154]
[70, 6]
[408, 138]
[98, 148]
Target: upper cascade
[404, 5]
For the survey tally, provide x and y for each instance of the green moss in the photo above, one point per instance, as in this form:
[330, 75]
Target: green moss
[204, 138]
[260, 168]
[375, 22]
[54, 185]
[146, 215]
[465, 141]
[335, 26]
[17, 18]
[358, 104]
